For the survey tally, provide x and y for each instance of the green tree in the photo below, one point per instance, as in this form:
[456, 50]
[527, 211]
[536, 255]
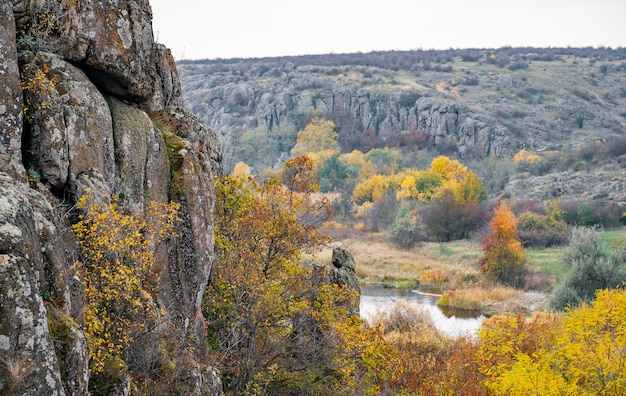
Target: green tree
[387, 161]
[261, 147]
[333, 175]
[408, 228]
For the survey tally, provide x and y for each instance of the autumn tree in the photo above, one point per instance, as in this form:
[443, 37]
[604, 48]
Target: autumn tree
[241, 168]
[470, 189]
[445, 219]
[117, 273]
[503, 257]
[372, 189]
[452, 171]
[418, 185]
[317, 139]
[267, 316]
[582, 353]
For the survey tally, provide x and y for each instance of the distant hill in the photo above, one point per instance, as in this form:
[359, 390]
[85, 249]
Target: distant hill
[472, 104]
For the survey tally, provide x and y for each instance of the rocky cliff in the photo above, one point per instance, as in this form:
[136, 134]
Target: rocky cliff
[471, 103]
[90, 104]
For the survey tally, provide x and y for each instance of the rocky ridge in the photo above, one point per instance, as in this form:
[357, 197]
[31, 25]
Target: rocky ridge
[471, 104]
[87, 99]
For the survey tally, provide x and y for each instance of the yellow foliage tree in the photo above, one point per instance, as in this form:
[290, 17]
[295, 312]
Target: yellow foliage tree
[592, 345]
[527, 156]
[367, 170]
[241, 168]
[318, 137]
[118, 260]
[259, 289]
[470, 189]
[371, 189]
[467, 187]
[584, 353]
[418, 185]
[452, 171]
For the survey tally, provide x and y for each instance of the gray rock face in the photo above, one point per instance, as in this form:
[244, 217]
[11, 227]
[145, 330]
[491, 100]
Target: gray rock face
[233, 108]
[607, 187]
[344, 270]
[10, 97]
[96, 123]
[34, 262]
[112, 41]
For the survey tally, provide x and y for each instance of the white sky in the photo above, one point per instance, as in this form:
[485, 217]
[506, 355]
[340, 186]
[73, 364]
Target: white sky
[257, 28]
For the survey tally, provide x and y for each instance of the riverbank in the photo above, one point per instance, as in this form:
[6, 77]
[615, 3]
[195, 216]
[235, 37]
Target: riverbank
[449, 268]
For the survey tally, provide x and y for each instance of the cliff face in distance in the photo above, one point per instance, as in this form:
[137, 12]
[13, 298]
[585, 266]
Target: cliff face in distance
[472, 104]
[86, 98]
[476, 101]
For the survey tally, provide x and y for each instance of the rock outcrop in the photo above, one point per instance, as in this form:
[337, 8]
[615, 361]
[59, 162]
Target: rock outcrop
[608, 187]
[344, 270]
[430, 99]
[234, 108]
[90, 104]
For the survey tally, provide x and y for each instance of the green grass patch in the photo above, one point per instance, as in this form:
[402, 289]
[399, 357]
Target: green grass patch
[453, 252]
[610, 236]
[549, 259]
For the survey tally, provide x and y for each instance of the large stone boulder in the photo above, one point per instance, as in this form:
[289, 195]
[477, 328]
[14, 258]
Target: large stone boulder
[103, 117]
[344, 270]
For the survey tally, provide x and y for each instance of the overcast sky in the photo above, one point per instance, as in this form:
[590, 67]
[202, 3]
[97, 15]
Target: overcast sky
[257, 28]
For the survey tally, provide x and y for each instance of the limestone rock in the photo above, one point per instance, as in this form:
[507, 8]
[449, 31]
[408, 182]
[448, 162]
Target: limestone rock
[59, 135]
[232, 106]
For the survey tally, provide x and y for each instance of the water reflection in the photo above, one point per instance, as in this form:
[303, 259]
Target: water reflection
[452, 323]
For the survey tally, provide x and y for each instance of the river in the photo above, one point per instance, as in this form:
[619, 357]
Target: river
[451, 323]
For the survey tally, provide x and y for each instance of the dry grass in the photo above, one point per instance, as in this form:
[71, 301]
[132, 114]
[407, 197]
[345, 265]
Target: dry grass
[12, 373]
[407, 323]
[476, 299]
[450, 267]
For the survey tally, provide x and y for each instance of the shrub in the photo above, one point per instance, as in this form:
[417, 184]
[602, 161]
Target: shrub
[407, 229]
[446, 220]
[592, 213]
[518, 65]
[592, 266]
[541, 231]
[118, 253]
[580, 119]
[460, 299]
[402, 317]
